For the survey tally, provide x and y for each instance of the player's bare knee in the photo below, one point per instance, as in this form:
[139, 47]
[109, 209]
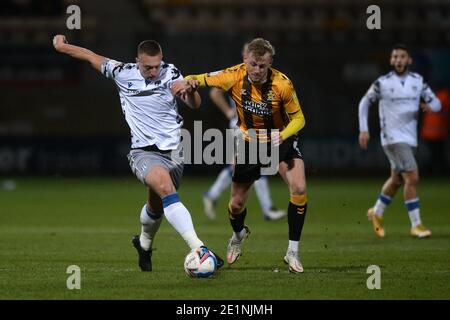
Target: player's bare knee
[396, 180]
[236, 205]
[297, 188]
[164, 188]
[412, 180]
[160, 182]
[161, 186]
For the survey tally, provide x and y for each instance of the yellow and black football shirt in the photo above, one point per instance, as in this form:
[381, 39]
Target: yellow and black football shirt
[259, 106]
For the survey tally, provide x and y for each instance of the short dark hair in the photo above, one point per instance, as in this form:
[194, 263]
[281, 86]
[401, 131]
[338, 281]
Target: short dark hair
[400, 46]
[149, 47]
[260, 47]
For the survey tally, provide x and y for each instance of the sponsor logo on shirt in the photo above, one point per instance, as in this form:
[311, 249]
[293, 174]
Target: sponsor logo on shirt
[259, 108]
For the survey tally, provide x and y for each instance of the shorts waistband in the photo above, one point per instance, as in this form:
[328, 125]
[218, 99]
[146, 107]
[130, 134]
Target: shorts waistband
[152, 148]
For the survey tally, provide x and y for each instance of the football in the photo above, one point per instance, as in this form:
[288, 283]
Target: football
[200, 263]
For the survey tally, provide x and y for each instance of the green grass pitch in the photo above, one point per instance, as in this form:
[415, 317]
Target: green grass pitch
[48, 224]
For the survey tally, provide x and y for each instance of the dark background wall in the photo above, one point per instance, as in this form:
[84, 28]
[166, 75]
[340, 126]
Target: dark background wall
[58, 115]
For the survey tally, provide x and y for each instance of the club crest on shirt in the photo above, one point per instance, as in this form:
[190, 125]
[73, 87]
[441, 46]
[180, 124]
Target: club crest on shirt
[270, 95]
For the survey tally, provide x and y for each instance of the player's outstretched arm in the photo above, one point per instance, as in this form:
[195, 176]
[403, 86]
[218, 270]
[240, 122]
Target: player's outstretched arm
[61, 45]
[200, 78]
[186, 90]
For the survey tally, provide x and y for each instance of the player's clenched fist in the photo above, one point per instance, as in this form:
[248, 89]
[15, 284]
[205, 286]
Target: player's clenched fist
[58, 41]
[181, 87]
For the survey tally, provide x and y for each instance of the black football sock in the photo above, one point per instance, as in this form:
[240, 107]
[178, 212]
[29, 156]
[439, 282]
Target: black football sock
[237, 220]
[296, 216]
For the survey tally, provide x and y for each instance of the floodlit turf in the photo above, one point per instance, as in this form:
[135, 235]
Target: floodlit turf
[48, 224]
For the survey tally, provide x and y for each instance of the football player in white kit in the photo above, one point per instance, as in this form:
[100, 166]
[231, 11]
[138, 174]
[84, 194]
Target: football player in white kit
[223, 180]
[401, 94]
[151, 112]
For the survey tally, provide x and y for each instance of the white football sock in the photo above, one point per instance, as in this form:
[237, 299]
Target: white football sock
[262, 191]
[413, 206]
[414, 217]
[381, 204]
[293, 246]
[191, 239]
[237, 236]
[180, 218]
[149, 227]
[222, 182]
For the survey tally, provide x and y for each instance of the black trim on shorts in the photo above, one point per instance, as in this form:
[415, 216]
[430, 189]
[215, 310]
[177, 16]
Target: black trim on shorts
[152, 148]
[246, 173]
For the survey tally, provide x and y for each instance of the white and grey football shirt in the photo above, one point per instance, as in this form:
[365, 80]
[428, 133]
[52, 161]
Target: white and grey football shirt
[399, 98]
[149, 107]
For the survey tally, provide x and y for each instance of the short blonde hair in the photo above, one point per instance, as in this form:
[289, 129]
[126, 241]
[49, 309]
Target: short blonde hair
[260, 47]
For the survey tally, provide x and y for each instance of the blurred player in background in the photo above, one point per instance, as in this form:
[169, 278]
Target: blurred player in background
[223, 180]
[151, 112]
[265, 99]
[401, 94]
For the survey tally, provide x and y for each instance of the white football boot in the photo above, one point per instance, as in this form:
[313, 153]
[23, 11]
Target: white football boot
[234, 249]
[291, 258]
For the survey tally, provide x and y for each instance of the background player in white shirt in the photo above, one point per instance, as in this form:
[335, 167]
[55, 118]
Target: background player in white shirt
[150, 109]
[400, 94]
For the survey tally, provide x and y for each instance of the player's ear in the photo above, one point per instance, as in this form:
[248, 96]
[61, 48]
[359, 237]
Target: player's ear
[391, 61]
[137, 60]
[410, 61]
